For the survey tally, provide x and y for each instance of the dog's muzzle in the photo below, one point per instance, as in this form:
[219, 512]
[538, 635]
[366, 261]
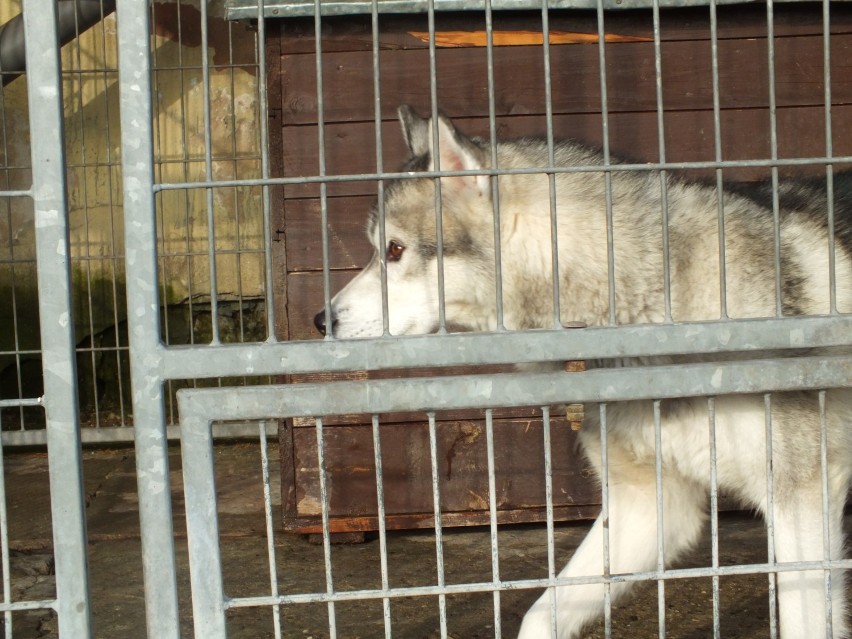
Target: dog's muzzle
[319, 322]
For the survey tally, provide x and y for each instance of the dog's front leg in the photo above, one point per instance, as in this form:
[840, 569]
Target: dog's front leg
[633, 548]
[802, 607]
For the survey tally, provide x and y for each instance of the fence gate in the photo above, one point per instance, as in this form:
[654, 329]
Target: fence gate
[261, 218]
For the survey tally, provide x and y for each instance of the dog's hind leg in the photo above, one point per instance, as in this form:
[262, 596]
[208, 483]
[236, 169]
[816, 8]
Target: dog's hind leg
[802, 595]
[632, 543]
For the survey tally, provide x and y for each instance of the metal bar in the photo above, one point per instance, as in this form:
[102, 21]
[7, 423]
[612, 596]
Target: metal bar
[526, 584]
[202, 527]
[380, 512]
[773, 152]
[436, 161]
[714, 514]
[516, 389]
[664, 189]
[326, 536]
[605, 167]
[829, 151]
[770, 517]
[594, 343]
[4, 547]
[717, 147]
[155, 511]
[661, 546]
[826, 510]
[607, 559]
[495, 181]
[67, 497]
[270, 528]
[247, 9]
[125, 434]
[548, 496]
[439, 531]
[269, 274]
[208, 174]
[492, 517]
[551, 160]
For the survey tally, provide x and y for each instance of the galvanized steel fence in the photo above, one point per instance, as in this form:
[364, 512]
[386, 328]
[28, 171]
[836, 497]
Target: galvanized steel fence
[240, 408]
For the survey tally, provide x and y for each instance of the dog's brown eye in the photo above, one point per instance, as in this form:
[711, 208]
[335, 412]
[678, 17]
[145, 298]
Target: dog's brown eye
[395, 250]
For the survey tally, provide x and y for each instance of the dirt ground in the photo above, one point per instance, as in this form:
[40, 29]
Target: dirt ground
[116, 568]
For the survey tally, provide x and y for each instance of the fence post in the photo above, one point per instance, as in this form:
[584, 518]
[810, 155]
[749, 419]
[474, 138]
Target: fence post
[67, 503]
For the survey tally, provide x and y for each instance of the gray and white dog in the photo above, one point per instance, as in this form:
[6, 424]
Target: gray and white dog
[410, 249]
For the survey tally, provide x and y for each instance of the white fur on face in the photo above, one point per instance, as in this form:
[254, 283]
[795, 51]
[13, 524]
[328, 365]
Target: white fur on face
[412, 300]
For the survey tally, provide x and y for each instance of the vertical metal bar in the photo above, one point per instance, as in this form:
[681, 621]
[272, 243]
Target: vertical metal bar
[49, 191]
[829, 153]
[826, 510]
[208, 174]
[492, 512]
[380, 203]
[326, 252]
[149, 419]
[326, 536]
[717, 145]
[548, 497]
[773, 153]
[661, 141]
[202, 528]
[268, 293]
[605, 519]
[551, 161]
[439, 533]
[4, 545]
[610, 233]
[661, 548]
[436, 160]
[270, 529]
[383, 539]
[495, 180]
[714, 515]
[770, 518]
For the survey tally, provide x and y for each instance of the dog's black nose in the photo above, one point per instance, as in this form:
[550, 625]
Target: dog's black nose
[319, 321]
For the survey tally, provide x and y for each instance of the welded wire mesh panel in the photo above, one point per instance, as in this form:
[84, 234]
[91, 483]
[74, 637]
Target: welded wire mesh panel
[466, 231]
[477, 584]
[48, 585]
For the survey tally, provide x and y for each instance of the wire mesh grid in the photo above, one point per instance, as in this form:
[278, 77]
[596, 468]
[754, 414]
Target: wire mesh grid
[208, 126]
[193, 211]
[328, 183]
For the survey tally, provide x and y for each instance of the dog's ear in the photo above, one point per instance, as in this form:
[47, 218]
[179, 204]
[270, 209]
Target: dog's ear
[459, 153]
[415, 130]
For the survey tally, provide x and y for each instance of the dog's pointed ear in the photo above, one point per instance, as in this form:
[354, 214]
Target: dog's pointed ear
[415, 130]
[459, 153]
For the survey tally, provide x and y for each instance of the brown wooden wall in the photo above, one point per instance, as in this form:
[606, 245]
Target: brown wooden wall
[519, 92]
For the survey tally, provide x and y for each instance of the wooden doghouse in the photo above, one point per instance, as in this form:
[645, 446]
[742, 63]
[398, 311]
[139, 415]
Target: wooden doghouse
[519, 99]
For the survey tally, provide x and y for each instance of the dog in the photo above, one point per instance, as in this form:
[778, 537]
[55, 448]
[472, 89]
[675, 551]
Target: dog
[612, 248]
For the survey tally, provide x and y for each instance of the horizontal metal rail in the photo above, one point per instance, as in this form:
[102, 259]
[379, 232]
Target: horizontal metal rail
[514, 389]
[604, 167]
[248, 9]
[524, 584]
[461, 349]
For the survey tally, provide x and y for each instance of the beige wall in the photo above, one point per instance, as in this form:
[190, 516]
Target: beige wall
[90, 88]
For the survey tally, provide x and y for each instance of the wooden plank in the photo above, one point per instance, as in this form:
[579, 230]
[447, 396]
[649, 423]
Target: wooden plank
[352, 524]
[519, 79]
[689, 137]
[462, 468]
[348, 245]
[354, 33]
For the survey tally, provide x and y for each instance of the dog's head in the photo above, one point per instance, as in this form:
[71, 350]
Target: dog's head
[407, 246]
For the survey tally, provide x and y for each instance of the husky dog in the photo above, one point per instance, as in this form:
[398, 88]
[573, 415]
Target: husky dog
[468, 205]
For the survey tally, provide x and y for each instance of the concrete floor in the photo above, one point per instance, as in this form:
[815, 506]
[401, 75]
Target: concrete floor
[116, 570]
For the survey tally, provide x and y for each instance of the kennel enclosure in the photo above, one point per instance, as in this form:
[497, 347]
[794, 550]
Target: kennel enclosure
[219, 204]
